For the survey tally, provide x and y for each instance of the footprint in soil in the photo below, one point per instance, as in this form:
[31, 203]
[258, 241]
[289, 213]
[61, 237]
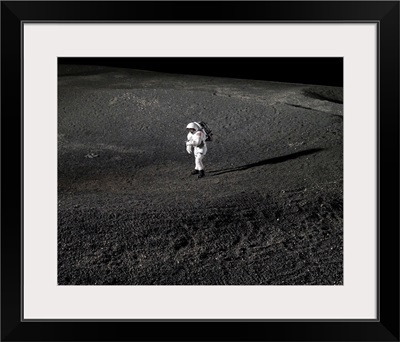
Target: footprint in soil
[180, 243]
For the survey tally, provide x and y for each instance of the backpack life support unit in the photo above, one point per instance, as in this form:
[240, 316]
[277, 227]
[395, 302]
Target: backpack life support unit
[206, 129]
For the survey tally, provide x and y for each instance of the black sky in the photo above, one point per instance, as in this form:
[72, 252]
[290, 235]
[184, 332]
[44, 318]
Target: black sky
[312, 70]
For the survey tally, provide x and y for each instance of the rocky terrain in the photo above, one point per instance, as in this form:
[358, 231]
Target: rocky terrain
[268, 212]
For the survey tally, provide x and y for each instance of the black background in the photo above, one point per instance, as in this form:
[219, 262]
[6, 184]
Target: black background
[318, 71]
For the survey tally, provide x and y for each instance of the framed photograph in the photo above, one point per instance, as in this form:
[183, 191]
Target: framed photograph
[198, 170]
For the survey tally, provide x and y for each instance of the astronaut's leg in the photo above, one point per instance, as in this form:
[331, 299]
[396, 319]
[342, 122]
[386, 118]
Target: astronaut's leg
[199, 164]
[199, 161]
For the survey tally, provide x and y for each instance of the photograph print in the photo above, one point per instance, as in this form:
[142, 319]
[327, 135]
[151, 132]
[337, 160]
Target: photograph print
[200, 171]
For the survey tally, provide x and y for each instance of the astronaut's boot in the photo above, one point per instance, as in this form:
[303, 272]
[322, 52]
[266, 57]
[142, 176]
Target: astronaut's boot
[195, 172]
[201, 174]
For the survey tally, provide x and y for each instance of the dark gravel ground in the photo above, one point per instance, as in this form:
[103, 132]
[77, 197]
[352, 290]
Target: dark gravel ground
[268, 212]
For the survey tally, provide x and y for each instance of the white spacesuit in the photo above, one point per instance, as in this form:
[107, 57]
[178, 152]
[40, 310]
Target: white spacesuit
[196, 139]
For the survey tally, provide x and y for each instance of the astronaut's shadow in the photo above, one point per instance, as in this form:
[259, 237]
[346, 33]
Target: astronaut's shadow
[275, 160]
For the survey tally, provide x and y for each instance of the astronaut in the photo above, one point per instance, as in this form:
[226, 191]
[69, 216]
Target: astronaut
[196, 139]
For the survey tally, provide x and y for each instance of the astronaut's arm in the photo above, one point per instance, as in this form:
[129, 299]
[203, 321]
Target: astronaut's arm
[189, 145]
[193, 141]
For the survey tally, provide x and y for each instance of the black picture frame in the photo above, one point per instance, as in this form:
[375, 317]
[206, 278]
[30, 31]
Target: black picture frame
[385, 13]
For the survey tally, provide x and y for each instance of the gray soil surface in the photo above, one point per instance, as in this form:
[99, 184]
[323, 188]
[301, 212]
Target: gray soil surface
[268, 212]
